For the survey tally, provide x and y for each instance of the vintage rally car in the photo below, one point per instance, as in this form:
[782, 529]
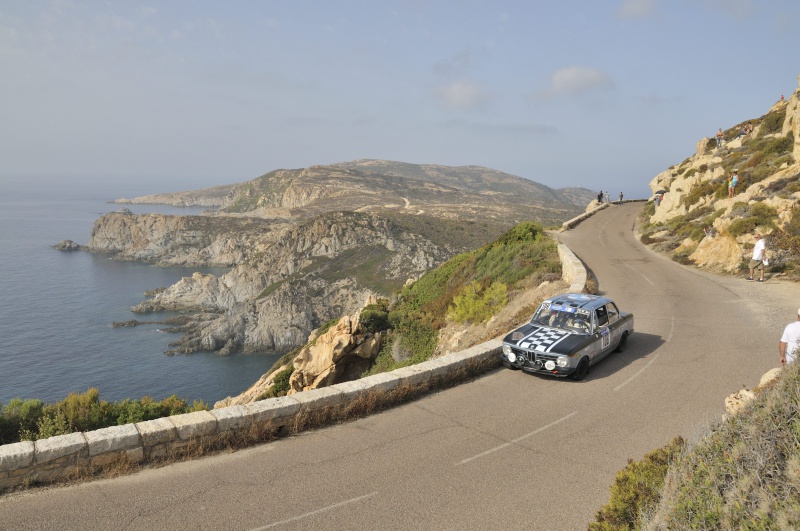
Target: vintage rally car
[568, 334]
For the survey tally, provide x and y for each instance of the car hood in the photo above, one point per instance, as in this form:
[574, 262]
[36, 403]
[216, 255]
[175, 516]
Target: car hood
[546, 339]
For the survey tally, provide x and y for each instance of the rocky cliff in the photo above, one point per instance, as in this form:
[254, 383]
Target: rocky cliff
[309, 245]
[697, 220]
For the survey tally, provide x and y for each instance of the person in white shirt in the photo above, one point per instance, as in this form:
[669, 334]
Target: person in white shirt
[757, 262]
[790, 340]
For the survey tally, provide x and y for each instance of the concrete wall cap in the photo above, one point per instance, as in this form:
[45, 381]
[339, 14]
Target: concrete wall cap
[113, 439]
[273, 408]
[194, 424]
[157, 431]
[232, 418]
[16, 455]
[59, 446]
[320, 397]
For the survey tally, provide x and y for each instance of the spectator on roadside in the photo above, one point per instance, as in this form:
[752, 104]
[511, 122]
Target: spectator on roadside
[782, 98]
[600, 196]
[734, 182]
[607, 196]
[790, 340]
[759, 256]
[719, 138]
[620, 198]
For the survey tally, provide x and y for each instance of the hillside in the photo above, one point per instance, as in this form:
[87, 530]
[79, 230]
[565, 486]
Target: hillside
[696, 197]
[744, 473]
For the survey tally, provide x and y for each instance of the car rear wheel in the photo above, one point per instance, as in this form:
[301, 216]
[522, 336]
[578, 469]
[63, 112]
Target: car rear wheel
[623, 342]
[582, 370]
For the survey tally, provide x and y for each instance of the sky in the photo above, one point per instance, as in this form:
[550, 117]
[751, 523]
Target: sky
[181, 94]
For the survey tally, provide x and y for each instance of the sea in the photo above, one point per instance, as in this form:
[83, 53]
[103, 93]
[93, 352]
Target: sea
[57, 308]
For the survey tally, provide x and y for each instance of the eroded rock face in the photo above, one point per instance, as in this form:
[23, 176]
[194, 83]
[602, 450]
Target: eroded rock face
[285, 281]
[341, 353]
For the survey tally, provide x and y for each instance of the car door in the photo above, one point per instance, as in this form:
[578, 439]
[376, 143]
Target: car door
[615, 322]
[603, 328]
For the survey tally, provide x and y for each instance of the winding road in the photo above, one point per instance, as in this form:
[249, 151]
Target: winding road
[508, 450]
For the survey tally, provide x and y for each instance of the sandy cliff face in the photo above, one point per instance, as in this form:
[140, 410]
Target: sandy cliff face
[711, 167]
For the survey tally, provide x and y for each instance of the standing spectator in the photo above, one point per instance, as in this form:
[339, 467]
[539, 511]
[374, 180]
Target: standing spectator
[759, 254]
[719, 138]
[600, 197]
[620, 198]
[734, 182]
[607, 196]
[782, 98]
[730, 185]
[790, 340]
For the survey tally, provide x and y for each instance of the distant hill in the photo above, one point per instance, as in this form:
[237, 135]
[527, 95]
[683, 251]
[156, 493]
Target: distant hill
[380, 186]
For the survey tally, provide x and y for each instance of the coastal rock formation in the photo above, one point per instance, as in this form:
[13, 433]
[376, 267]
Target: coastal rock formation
[289, 286]
[213, 197]
[339, 354]
[309, 245]
[67, 245]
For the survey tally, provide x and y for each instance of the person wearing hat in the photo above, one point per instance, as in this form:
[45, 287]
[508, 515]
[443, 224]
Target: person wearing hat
[759, 254]
[790, 340]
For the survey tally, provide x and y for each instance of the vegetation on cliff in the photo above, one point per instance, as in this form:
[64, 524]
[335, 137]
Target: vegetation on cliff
[744, 474]
[698, 200]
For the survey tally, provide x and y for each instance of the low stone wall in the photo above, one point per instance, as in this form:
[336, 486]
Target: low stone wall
[569, 224]
[66, 456]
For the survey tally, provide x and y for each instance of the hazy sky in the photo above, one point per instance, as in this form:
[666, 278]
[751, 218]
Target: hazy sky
[186, 94]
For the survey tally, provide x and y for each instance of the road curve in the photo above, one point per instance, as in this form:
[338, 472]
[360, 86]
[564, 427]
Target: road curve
[508, 450]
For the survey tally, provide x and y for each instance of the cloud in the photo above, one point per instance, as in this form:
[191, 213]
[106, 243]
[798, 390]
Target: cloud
[513, 129]
[740, 9]
[575, 80]
[637, 8]
[462, 94]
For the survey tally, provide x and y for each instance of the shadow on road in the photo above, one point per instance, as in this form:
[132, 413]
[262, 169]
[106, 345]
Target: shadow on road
[639, 346]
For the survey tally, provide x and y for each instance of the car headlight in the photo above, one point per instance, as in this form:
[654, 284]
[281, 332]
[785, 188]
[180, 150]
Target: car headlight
[511, 357]
[562, 361]
[506, 349]
[549, 365]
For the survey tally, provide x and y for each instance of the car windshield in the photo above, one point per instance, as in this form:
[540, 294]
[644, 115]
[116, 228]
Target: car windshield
[564, 318]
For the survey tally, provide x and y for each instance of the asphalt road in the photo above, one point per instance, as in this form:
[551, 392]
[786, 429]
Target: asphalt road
[506, 451]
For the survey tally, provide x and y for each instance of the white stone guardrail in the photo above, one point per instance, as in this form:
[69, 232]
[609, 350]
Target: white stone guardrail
[571, 223]
[64, 456]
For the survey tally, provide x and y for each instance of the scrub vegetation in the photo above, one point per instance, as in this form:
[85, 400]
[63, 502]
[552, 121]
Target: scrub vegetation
[29, 420]
[470, 287]
[743, 474]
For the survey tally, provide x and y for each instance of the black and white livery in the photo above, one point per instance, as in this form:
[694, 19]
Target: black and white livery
[568, 334]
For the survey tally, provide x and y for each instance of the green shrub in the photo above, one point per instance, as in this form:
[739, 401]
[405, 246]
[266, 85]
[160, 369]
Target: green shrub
[375, 317]
[636, 489]
[33, 419]
[280, 384]
[476, 304]
[773, 122]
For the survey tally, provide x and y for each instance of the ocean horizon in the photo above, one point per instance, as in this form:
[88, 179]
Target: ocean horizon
[58, 307]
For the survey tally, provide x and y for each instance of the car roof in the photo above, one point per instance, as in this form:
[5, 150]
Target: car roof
[579, 300]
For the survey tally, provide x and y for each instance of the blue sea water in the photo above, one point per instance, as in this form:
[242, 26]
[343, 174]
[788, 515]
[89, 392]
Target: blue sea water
[56, 308]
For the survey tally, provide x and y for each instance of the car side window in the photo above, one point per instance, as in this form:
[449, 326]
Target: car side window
[613, 313]
[602, 316]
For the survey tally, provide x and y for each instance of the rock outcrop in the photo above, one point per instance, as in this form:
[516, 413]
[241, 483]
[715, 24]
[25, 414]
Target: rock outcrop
[707, 171]
[339, 354]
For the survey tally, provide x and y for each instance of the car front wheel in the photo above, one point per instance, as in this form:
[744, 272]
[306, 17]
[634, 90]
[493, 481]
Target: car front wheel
[582, 370]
